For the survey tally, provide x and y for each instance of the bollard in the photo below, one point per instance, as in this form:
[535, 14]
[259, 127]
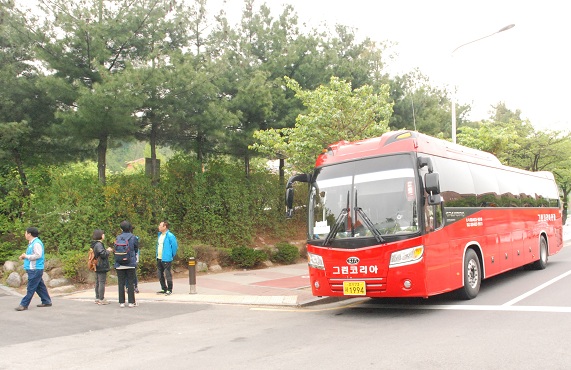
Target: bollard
[192, 275]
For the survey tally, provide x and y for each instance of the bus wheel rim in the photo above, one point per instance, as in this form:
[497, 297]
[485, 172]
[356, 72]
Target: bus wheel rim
[472, 274]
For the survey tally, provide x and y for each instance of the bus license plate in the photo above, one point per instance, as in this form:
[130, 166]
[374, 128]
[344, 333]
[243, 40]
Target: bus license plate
[354, 288]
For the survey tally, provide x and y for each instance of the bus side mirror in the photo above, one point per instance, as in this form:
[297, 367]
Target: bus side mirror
[289, 202]
[432, 188]
[302, 177]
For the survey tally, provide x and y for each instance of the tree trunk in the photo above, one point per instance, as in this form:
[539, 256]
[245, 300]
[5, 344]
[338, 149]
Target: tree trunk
[247, 165]
[282, 172]
[21, 173]
[565, 202]
[153, 143]
[199, 150]
[101, 161]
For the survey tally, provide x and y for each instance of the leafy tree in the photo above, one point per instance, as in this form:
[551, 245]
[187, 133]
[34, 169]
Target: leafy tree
[169, 32]
[197, 115]
[500, 139]
[562, 173]
[253, 104]
[335, 112]
[246, 86]
[420, 106]
[516, 142]
[501, 113]
[103, 111]
[26, 109]
[86, 43]
[360, 63]
[263, 50]
[545, 149]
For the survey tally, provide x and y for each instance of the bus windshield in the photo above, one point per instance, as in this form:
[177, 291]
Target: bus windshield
[365, 198]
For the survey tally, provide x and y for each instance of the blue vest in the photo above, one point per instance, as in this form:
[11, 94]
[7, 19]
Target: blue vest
[36, 264]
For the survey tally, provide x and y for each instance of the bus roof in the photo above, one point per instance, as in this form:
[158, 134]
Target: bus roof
[401, 142]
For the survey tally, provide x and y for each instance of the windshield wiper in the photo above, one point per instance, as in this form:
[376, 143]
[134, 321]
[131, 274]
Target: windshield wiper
[367, 221]
[338, 222]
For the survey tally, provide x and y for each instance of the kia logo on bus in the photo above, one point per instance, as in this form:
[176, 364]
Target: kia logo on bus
[353, 260]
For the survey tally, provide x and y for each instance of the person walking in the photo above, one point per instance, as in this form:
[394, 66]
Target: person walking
[34, 266]
[102, 267]
[125, 264]
[166, 250]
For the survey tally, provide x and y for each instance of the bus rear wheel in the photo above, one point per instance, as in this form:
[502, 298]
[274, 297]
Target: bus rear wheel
[472, 275]
[541, 263]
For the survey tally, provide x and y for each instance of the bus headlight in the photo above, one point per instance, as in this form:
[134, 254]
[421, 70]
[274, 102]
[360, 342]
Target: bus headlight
[407, 256]
[315, 261]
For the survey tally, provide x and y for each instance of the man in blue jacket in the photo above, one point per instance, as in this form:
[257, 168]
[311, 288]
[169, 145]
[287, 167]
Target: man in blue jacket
[34, 266]
[166, 250]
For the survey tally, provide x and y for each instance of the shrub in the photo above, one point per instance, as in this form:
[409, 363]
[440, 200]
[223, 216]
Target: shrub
[147, 266]
[184, 252]
[205, 253]
[12, 241]
[75, 266]
[245, 257]
[224, 256]
[10, 247]
[287, 254]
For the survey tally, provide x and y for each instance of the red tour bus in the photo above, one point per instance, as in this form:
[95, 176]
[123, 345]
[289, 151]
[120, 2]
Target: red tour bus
[409, 215]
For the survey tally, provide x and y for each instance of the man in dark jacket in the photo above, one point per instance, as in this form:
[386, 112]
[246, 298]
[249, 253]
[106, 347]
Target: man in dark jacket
[125, 264]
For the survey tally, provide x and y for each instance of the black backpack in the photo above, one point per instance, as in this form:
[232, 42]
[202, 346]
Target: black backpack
[122, 251]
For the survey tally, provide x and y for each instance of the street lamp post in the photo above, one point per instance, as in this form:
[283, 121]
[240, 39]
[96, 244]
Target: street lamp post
[454, 87]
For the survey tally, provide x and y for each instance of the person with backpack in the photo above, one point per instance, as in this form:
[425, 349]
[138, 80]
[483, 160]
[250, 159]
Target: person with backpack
[126, 263]
[102, 267]
[137, 248]
[166, 250]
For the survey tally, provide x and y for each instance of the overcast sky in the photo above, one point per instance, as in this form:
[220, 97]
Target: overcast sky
[527, 67]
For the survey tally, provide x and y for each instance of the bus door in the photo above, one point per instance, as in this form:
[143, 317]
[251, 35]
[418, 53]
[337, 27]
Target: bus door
[436, 244]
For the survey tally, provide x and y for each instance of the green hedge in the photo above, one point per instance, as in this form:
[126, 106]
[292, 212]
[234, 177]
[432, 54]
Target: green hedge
[247, 258]
[286, 254]
[217, 207]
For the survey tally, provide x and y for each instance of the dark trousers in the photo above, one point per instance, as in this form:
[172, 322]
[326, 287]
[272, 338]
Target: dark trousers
[36, 285]
[136, 283]
[126, 277]
[100, 284]
[164, 273]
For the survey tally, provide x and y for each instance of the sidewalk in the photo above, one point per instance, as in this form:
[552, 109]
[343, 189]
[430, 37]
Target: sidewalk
[273, 286]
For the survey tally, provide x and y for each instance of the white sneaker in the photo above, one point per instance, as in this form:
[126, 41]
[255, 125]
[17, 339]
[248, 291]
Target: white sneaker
[103, 302]
[131, 305]
[122, 305]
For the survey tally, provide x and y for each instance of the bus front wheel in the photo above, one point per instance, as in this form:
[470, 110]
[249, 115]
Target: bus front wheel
[472, 275]
[541, 263]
